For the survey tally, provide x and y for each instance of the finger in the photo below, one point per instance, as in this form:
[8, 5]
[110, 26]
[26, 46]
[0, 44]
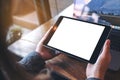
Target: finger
[46, 34]
[106, 48]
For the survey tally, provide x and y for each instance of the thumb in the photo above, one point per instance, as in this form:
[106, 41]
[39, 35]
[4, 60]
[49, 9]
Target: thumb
[106, 48]
[105, 55]
[45, 35]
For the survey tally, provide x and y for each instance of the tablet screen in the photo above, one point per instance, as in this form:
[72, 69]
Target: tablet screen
[76, 37]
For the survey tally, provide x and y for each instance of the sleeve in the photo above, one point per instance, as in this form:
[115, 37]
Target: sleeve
[93, 79]
[33, 63]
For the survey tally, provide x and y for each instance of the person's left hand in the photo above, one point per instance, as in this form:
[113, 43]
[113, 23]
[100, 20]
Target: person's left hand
[99, 69]
[44, 52]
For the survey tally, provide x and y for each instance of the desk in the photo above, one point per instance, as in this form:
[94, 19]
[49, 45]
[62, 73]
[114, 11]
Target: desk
[71, 68]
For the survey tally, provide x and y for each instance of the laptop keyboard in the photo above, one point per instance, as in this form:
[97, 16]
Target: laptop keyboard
[115, 39]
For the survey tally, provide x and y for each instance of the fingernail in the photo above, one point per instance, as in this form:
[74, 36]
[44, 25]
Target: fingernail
[108, 42]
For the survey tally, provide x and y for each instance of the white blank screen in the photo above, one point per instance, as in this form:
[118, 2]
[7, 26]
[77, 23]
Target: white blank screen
[76, 37]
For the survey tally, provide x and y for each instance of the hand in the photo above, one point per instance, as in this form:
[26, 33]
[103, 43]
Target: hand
[98, 69]
[44, 52]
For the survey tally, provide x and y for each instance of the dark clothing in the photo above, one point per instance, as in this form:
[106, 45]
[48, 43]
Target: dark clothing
[34, 63]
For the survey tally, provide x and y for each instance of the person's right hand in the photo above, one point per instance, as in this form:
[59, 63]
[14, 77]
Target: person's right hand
[98, 69]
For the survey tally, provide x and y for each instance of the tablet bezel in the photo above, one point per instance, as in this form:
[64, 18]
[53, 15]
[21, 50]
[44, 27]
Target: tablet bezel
[97, 49]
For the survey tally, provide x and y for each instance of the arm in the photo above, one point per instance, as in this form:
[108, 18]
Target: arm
[35, 61]
[32, 63]
[98, 69]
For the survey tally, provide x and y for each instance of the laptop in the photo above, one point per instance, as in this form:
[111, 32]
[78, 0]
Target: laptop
[82, 8]
[115, 49]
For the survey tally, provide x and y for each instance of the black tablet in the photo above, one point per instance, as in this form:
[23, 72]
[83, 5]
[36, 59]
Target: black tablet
[77, 38]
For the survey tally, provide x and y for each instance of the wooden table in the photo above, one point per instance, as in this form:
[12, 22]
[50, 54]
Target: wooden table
[69, 67]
